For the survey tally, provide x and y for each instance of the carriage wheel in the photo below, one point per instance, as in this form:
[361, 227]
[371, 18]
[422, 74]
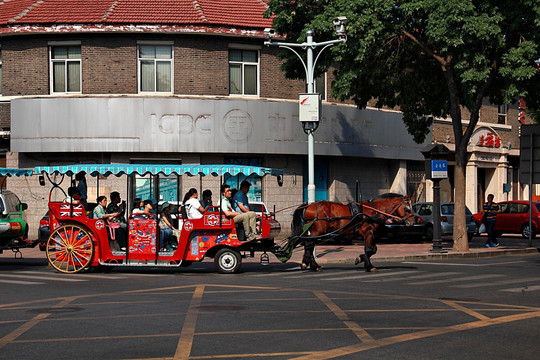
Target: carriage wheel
[227, 261]
[70, 249]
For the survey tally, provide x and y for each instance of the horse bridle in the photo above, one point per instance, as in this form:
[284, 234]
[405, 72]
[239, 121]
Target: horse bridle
[403, 202]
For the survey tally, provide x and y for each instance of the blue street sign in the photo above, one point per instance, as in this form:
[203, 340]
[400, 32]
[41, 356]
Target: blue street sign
[439, 169]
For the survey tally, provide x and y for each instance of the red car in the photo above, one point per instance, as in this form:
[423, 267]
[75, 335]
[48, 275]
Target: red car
[514, 218]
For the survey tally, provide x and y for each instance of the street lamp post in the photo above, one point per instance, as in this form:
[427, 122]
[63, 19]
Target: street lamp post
[310, 125]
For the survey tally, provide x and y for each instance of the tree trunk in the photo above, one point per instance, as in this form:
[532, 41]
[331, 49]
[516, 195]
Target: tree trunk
[461, 242]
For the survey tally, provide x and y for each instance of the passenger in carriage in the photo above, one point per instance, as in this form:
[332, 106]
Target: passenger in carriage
[247, 219]
[207, 198]
[241, 201]
[99, 213]
[167, 228]
[194, 209]
[73, 196]
[138, 206]
[82, 187]
[115, 206]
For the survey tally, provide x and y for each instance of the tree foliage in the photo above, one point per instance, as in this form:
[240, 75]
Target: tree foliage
[404, 53]
[430, 58]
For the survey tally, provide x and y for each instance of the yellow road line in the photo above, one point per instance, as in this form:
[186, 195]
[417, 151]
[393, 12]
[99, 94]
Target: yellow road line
[341, 315]
[188, 330]
[465, 310]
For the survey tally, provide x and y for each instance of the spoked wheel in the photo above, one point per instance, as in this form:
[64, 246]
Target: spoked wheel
[70, 249]
[227, 261]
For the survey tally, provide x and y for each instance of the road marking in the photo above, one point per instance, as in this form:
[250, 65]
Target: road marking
[303, 274]
[342, 315]
[495, 283]
[372, 275]
[477, 277]
[183, 350]
[425, 276]
[523, 289]
[41, 277]
[21, 282]
[74, 275]
[458, 264]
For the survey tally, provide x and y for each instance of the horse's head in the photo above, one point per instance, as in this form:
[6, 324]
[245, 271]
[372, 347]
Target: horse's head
[396, 205]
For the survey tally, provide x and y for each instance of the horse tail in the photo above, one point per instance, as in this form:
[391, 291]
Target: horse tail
[298, 221]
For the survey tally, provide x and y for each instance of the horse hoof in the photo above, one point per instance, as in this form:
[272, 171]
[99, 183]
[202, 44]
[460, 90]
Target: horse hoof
[303, 266]
[373, 270]
[318, 269]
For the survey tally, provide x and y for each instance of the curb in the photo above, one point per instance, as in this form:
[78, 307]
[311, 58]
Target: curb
[438, 256]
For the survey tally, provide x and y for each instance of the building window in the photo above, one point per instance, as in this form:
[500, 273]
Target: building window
[155, 68]
[502, 113]
[66, 69]
[243, 72]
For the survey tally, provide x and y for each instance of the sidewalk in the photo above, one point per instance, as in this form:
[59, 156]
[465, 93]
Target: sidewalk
[386, 251]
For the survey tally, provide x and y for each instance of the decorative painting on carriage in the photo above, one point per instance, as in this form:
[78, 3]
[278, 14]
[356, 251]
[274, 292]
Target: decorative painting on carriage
[208, 235]
[142, 236]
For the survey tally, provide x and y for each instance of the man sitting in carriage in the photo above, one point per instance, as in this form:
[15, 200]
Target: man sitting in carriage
[248, 219]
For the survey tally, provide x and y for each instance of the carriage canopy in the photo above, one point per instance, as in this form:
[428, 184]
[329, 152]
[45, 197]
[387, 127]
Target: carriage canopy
[157, 169]
[15, 172]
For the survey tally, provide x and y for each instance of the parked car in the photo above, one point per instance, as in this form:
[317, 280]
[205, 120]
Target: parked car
[395, 228]
[13, 225]
[514, 218]
[257, 206]
[425, 210]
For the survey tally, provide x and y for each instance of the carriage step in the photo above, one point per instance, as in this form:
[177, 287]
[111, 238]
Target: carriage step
[265, 259]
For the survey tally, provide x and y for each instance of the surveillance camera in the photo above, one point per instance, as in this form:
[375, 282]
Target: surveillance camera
[339, 23]
[269, 32]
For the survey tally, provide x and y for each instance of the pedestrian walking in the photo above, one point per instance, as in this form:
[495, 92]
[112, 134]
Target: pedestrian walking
[489, 218]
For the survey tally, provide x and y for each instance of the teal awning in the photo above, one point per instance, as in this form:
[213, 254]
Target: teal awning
[154, 169]
[15, 172]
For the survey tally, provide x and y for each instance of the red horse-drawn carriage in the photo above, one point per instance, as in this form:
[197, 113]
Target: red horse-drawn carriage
[78, 242]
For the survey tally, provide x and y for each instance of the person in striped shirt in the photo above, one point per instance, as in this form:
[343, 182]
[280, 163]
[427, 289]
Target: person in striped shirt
[489, 217]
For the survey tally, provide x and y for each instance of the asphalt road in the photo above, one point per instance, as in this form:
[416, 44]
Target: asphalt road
[485, 308]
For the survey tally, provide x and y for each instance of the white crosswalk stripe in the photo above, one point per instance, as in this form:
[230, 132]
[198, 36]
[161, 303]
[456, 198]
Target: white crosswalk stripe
[424, 276]
[497, 283]
[17, 282]
[371, 275]
[523, 289]
[41, 277]
[467, 278]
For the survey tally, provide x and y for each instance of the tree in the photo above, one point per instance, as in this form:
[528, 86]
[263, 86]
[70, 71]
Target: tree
[431, 58]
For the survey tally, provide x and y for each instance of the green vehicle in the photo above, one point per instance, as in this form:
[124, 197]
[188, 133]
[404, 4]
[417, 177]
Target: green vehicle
[13, 225]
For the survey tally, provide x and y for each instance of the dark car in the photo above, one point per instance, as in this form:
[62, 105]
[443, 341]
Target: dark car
[514, 218]
[396, 228]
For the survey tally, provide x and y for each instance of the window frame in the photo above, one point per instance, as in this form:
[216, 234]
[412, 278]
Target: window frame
[243, 64]
[155, 60]
[52, 61]
[502, 113]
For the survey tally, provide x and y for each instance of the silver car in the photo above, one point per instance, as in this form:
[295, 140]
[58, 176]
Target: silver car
[425, 211]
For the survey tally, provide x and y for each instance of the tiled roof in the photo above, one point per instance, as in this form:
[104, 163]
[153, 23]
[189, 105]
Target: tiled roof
[39, 14]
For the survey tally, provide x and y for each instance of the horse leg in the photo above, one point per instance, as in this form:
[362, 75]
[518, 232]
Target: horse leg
[309, 258]
[369, 251]
[306, 259]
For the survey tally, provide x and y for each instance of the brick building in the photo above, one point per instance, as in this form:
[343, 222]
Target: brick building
[192, 83]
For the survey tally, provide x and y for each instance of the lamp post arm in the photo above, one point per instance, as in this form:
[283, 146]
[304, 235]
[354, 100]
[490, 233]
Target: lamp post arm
[297, 54]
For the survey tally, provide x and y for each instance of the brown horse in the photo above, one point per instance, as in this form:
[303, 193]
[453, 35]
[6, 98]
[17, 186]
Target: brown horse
[325, 219]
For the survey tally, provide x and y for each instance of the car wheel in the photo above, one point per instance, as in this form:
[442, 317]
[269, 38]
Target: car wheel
[70, 249]
[525, 231]
[227, 261]
[429, 232]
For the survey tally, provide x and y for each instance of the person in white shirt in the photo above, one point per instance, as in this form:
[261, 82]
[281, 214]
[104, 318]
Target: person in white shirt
[248, 219]
[194, 209]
